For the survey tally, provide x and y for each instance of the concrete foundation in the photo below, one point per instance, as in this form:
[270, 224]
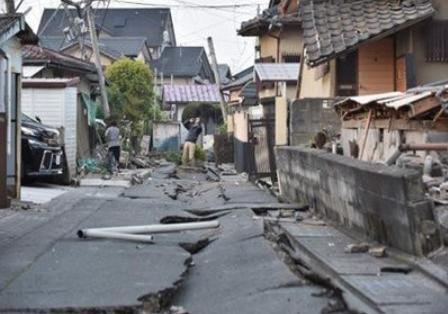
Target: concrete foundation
[386, 204]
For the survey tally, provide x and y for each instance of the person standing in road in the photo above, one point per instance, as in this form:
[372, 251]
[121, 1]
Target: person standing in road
[113, 140]
[194, 130]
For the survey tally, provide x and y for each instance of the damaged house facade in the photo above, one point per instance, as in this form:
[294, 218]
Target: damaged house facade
[368, 47]
[381, 67]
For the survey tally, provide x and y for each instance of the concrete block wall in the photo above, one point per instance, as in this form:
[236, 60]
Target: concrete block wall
[309, 116]
[386, 204]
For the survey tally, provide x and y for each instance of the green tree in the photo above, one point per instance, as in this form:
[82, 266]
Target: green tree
[131, 98]
[130, 93]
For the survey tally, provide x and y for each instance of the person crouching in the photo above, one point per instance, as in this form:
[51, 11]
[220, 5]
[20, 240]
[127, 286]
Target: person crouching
[194, 130]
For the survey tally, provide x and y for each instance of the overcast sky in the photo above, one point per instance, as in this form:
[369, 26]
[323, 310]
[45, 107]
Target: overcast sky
[192, 25]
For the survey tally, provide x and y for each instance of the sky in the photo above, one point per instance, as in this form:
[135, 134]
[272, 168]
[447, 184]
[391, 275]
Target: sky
[192, 25]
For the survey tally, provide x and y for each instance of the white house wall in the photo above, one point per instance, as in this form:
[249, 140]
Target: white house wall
[13, 49]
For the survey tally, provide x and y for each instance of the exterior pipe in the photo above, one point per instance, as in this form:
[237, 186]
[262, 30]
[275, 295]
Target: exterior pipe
[155, 228]
[114, 235]
[424, 147]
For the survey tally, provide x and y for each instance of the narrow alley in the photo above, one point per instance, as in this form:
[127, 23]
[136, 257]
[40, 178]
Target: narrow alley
[233, 269]
[223, 157]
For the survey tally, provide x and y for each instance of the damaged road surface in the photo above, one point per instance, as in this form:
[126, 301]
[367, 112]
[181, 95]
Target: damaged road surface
[45, 267]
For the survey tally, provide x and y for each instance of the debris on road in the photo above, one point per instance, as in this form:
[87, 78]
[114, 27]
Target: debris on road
[127, 232]
[378, 251]
[357, 248]
[96, 234]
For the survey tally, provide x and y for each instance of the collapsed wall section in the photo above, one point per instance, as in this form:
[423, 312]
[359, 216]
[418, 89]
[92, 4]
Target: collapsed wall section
[387, 204]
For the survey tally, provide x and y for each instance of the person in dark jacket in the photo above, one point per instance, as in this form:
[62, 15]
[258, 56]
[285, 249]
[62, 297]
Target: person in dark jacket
[194, 130]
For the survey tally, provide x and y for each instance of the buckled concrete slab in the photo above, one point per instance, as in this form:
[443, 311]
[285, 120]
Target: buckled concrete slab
[366, 285]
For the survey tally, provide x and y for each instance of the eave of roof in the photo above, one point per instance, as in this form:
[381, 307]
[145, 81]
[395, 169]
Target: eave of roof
[50, 83]
[260, 25]
[35, 55]
[15, 25]
[324, 42]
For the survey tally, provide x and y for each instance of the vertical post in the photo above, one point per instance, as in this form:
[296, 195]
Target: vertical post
[98, 65]
[10, 6]
[4, 202]
[217, 78]
[155, 95]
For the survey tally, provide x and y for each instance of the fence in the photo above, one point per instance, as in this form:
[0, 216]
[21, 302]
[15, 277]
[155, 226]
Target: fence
[261, 159]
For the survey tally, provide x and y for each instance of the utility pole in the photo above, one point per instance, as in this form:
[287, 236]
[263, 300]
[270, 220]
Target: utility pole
[96, 52]
[10, 8]
[94, 41]
[217, 78]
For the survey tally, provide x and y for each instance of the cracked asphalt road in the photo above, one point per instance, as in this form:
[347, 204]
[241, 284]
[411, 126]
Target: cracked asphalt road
[44, 266]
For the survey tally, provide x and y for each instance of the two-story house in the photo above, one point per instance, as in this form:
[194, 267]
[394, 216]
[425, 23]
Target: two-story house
[278, 55]
[137, 33]
[367, 47]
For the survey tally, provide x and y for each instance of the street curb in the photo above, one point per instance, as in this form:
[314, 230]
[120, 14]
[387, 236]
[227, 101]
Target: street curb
[354, 298]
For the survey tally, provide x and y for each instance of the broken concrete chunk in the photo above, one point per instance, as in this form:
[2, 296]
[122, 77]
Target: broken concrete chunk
[357, 248]
[378, 251]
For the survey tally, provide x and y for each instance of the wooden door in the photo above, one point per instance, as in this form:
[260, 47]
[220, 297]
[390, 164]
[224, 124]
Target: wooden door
[376, 67]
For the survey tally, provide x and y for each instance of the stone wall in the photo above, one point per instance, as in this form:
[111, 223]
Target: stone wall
[386, 204]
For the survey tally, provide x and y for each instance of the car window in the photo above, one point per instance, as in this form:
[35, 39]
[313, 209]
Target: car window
[25, 118]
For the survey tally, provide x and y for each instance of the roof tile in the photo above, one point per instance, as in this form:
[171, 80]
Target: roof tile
[332, 28]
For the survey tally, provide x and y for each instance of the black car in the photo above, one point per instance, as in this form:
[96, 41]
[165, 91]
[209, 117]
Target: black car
[42, 150]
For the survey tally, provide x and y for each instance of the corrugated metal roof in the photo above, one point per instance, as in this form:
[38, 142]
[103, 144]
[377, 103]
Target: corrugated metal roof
[277, 72]
[366, 99]
[408, 100]
[50, 82]
[190, 93]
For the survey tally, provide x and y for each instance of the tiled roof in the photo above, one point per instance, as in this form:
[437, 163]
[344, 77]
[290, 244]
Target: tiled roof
[270, 16]
[240, 79]
[183, 62]
[332, 27]
[191, 93]
[113, 46]
[249, 94]
[39, 55]
[118, 22]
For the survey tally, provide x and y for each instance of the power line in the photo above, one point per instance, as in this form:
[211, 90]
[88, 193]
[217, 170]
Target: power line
[185, 4]
[221, 8]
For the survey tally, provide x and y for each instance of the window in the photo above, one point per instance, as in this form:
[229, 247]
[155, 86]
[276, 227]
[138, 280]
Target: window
[437, 42]
[265, 60]
[291, 58]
